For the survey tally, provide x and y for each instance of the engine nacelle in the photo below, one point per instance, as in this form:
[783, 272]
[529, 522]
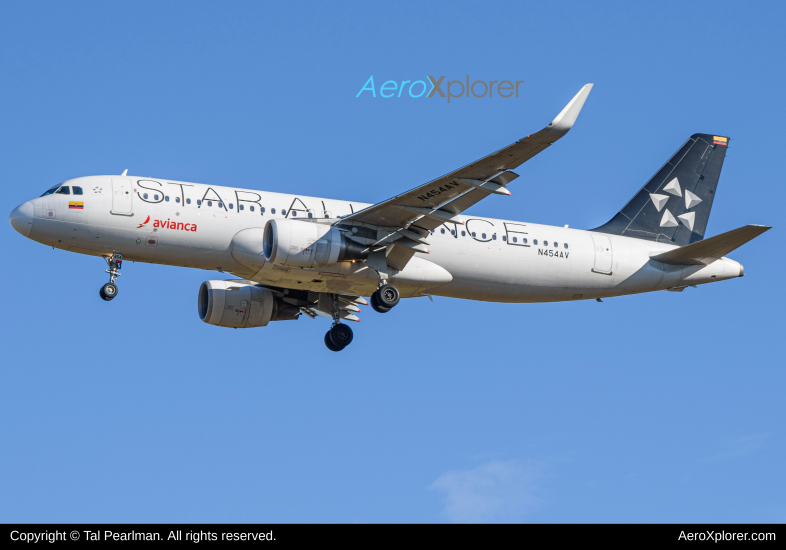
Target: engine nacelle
[241, 304]
[294, 243]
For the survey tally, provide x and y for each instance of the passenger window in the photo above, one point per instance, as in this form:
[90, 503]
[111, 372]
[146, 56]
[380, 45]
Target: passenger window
[155, 197]
[77, 190]
[310, 215]
[494, 236]
[144, 195]
[463, 233]
[483, 235]
[63, 191]
[210, 203]
[188, 201]
[294, 213]
[177, 200]
[442, 230]
[166, 198]
[283, 212]
[199, 202]
[272, 210]
[504, 238]
[262, 209]
[534, 241]
[524, 240]
[241, 207]
[473, 233]
[515, 239]
[545, 243]
[566, 245]
[453, 232]
[221, 205]
[556, 244]
[231, 206]
[251, 208]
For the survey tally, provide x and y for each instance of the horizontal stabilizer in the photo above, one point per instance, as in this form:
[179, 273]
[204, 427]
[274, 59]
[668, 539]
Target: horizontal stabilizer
[707, 251]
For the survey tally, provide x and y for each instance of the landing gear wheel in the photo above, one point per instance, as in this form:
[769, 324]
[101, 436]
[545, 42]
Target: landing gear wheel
[387, 296]
[329, 343]
[108, 291]
[375, 305]
[340, 335]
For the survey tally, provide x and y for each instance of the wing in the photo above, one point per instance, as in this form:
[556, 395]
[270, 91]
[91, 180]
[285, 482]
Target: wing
[320, 304]
[400, 224]
[471, 183]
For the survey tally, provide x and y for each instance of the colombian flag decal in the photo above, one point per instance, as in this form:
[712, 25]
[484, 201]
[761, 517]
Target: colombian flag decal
[718, 140]
[76, 205]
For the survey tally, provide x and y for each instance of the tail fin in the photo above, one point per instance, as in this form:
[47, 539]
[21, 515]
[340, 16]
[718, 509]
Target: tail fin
[674, 205]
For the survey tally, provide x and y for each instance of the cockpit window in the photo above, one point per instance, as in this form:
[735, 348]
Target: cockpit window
[63, 191]
[78, 190]
[51, 190]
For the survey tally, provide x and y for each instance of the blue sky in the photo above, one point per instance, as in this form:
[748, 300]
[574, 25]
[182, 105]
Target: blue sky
[661, 407]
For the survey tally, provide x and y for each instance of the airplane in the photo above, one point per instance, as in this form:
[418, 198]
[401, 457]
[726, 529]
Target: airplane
[294, 255]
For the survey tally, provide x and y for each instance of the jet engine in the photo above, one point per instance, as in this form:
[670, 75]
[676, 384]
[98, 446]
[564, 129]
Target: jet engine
[241, 304]
[294, 243]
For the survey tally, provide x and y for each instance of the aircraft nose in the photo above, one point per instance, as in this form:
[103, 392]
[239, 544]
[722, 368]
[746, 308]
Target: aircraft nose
[22, 218]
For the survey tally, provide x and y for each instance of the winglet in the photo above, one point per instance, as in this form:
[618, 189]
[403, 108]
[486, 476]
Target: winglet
[124, 172]
[568, 115]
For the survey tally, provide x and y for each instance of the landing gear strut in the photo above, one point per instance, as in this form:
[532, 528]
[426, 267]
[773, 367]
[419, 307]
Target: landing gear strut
[340, 335]
[385, 298]
[109, 290]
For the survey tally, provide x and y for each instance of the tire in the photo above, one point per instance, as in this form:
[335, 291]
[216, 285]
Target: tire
[329, 343]
[108, 291]
[340, 335]
[387, 296]
[375, 305]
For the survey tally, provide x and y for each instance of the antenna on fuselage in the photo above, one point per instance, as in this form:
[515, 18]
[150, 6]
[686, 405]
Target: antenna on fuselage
[124, 172]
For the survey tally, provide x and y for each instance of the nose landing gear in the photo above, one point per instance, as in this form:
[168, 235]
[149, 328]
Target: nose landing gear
[109, 290]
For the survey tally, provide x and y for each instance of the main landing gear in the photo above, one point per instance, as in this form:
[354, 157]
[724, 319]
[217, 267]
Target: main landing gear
[109, 290]
[339, 336]
[385, 298]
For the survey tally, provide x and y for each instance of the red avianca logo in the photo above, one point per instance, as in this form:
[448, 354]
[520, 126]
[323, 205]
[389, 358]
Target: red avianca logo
[168, 224]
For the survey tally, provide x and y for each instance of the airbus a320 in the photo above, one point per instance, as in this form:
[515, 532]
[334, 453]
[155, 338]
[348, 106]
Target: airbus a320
[293, 255]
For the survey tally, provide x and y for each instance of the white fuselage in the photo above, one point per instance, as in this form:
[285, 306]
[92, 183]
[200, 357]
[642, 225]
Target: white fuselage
[203, 226]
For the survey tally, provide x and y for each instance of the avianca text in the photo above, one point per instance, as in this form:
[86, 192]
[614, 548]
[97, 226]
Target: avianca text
[175, 225]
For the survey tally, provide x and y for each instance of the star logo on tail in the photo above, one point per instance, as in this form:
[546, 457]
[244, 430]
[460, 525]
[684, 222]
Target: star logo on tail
[668, 219]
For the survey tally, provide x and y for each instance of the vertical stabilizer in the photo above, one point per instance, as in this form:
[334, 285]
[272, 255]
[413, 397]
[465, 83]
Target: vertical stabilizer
[674, 205]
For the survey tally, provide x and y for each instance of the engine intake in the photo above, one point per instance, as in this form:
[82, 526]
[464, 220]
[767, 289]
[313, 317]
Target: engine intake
[294, 243]
[241, 304]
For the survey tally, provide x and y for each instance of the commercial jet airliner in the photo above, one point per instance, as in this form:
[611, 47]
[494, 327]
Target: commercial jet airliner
[295, 255]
